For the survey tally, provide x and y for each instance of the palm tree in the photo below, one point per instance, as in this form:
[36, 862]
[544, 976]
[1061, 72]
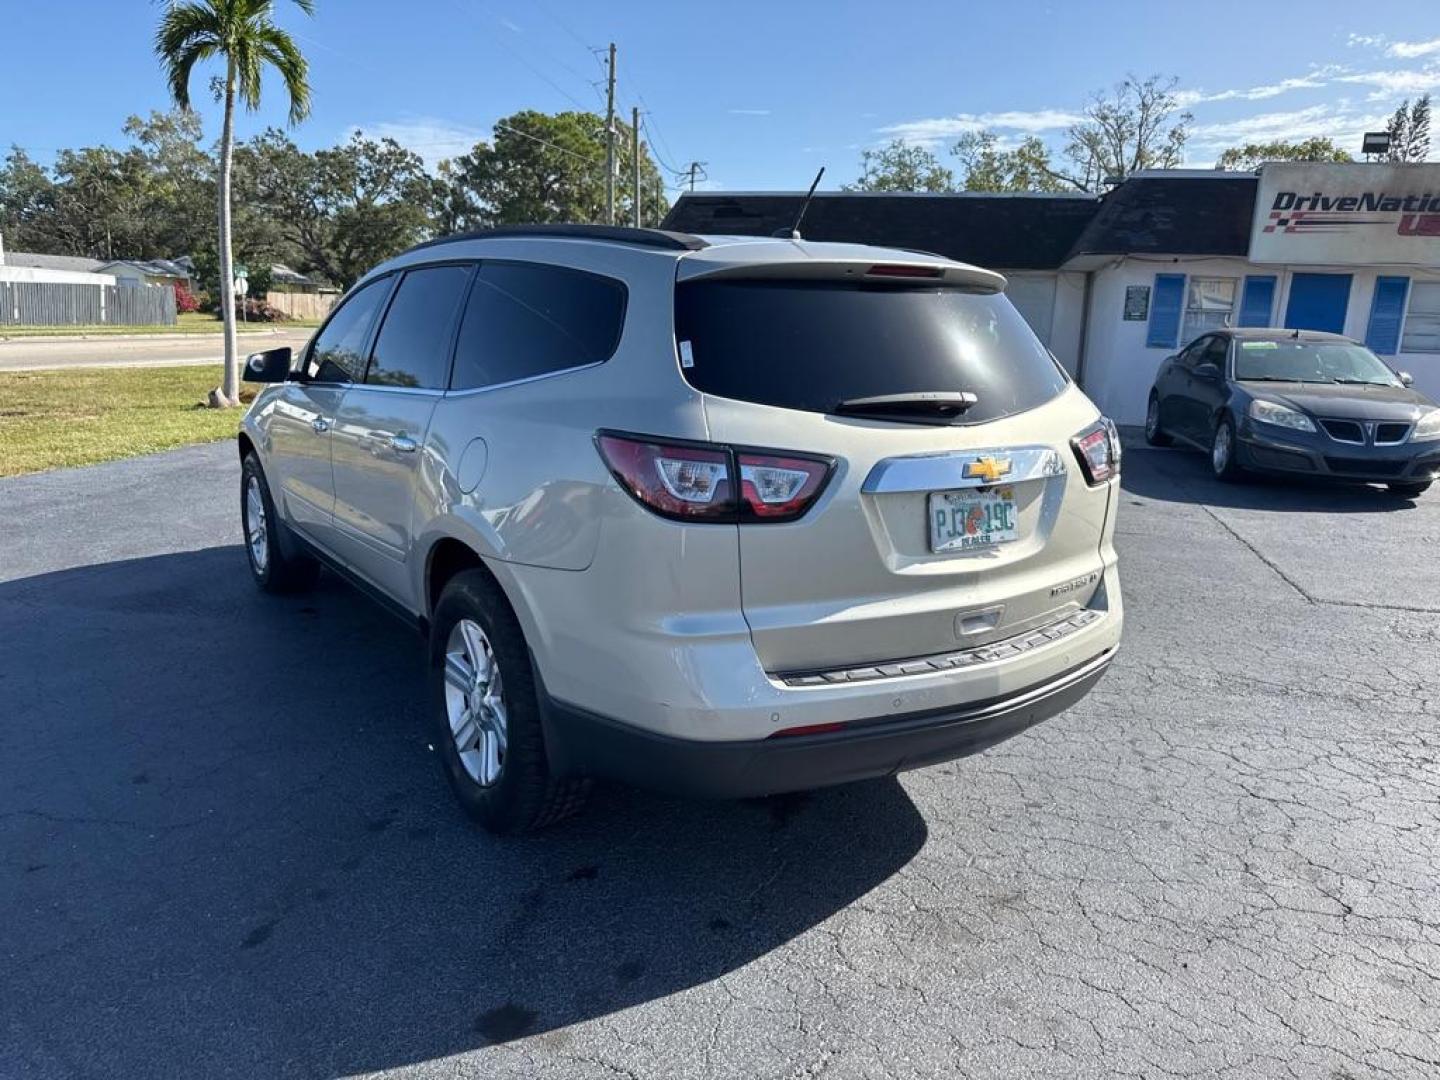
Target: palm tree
[242, 33]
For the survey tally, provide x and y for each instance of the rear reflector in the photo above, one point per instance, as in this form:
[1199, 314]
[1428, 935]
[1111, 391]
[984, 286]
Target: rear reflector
[807, 729]
[900, 270]
[691, 481]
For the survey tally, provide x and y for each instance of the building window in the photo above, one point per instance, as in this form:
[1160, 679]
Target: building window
[1422, 319]
[1209, 303]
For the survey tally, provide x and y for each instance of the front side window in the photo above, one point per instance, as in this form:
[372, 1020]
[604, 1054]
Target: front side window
[1422, 319]
[338, 354]
[1209, 303]
[1293, 360]
[813, 345]
[413, 346]
[529, 319]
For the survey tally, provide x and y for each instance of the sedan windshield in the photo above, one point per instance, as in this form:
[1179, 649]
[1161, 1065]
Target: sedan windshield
[1311, 362]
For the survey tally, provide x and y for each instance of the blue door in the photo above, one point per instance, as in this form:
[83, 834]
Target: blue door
[1318, 302]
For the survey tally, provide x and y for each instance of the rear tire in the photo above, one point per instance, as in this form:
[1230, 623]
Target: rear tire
[1154, 434]
[1410, 491]
[1222, 452]
[486, 719]
[274, 571]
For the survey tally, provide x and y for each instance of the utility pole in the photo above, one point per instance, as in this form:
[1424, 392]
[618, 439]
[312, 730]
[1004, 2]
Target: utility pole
[610, 139]
[696, 167]
[635, 165]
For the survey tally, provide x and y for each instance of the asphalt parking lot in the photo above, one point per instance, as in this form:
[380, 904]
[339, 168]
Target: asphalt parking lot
[226, 850]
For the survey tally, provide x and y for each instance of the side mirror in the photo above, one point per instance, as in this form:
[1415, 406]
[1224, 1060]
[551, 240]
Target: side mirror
[271, 366]
[1406, 379]
[1207, 371]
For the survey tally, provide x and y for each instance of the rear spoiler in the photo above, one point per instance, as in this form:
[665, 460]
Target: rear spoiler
[896, 271]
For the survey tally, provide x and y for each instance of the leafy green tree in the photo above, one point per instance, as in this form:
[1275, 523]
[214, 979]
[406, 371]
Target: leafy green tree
[1253, 155]
[340, 210]
[542, 168]
[243, 35]
[180, 181]
[1409, 131]
[901, 166]
[989, 168]
[27, 203]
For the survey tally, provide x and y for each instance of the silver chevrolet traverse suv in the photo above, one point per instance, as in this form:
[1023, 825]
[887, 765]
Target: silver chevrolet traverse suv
[723, 515]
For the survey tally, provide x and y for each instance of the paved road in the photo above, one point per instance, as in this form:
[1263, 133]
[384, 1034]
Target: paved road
[226, 850]
[39, 354]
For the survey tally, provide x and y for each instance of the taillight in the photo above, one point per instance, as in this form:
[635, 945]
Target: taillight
[683, 481]
[900, 270]
[1098, 450]
[690, 481]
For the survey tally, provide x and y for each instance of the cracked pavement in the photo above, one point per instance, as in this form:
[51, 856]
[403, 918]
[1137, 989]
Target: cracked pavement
[226, 850]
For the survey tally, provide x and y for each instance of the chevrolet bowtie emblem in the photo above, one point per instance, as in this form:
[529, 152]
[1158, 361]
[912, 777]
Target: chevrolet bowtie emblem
[988, 469]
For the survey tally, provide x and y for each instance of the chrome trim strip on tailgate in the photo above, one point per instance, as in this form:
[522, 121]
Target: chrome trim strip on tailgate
[945, 471]
[946, 661]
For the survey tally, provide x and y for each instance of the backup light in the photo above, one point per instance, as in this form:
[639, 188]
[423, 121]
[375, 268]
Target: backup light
[1098, 450]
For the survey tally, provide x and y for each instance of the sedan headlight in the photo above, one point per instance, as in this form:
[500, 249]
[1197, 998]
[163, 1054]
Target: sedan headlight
[1428, 426]
[1272, 412]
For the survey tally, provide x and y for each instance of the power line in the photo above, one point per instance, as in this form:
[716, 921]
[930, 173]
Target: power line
[518, 56]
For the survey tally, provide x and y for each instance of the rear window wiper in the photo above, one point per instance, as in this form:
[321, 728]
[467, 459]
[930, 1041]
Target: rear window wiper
[926, 405]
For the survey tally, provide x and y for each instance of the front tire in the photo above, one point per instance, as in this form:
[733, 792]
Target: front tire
[273, 570]
[1222, 452]
[1410, 491]
[486, 712]
[1154, 434]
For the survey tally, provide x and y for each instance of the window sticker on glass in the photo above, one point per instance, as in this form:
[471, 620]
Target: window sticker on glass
[1259, 344]
[687, 355]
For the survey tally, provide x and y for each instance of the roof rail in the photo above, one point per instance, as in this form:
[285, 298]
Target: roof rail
[613, 234]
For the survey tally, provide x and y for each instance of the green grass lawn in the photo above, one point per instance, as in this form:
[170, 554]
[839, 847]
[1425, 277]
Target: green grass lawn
[194, 322]
[52, 419]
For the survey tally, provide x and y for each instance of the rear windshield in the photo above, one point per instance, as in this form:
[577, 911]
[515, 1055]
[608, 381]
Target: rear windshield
[813, 344]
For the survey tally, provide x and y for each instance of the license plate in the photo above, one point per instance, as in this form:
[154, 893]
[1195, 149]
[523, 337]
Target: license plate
[961, 520]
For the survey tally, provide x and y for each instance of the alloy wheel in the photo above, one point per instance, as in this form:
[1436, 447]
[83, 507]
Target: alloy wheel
[1220, 451]
[475, 702]
[257, 535]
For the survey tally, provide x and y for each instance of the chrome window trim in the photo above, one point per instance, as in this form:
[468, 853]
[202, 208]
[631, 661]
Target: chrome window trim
[467, 391]
[945, 471]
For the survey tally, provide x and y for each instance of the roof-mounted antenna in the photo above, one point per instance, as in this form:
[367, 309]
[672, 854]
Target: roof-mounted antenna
[793, 233]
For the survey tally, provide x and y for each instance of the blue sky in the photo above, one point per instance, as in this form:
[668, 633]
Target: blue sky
[764, 93]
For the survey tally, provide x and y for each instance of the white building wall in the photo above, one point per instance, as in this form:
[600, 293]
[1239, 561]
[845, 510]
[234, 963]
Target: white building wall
[1052, 303]
[1120, 368]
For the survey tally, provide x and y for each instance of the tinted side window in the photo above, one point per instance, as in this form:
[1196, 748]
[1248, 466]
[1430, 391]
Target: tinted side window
[1192, 353]
[339, 352]
[526, 319]
[1215, 353]
[413, 347]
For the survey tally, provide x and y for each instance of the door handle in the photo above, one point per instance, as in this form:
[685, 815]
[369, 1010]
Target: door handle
[319, 425]
[403, 444]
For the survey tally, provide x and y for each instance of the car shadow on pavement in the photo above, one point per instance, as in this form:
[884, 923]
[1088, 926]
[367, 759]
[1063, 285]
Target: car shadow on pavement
[229, 849]
[1182, 475]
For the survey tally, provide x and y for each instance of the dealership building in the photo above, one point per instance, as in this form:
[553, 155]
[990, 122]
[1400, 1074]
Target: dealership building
[1114, 284]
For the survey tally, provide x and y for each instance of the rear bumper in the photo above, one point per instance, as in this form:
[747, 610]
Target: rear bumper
[580, 743]
[1318, 455]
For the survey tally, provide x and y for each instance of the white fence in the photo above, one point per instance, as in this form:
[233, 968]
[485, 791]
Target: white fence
[35, 303]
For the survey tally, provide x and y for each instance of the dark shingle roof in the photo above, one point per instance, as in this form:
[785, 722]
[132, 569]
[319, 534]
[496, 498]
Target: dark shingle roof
[1008, 232]
[1155, 214]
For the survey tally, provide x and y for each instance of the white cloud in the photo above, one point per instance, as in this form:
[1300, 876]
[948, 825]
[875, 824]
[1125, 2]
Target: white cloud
[1409, 50]
[1369, 41]
[1314, 81]
[748, 112]
[1397, 81]
[508, 25]
[931, 131]
[432, 138]
[1338, 123]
